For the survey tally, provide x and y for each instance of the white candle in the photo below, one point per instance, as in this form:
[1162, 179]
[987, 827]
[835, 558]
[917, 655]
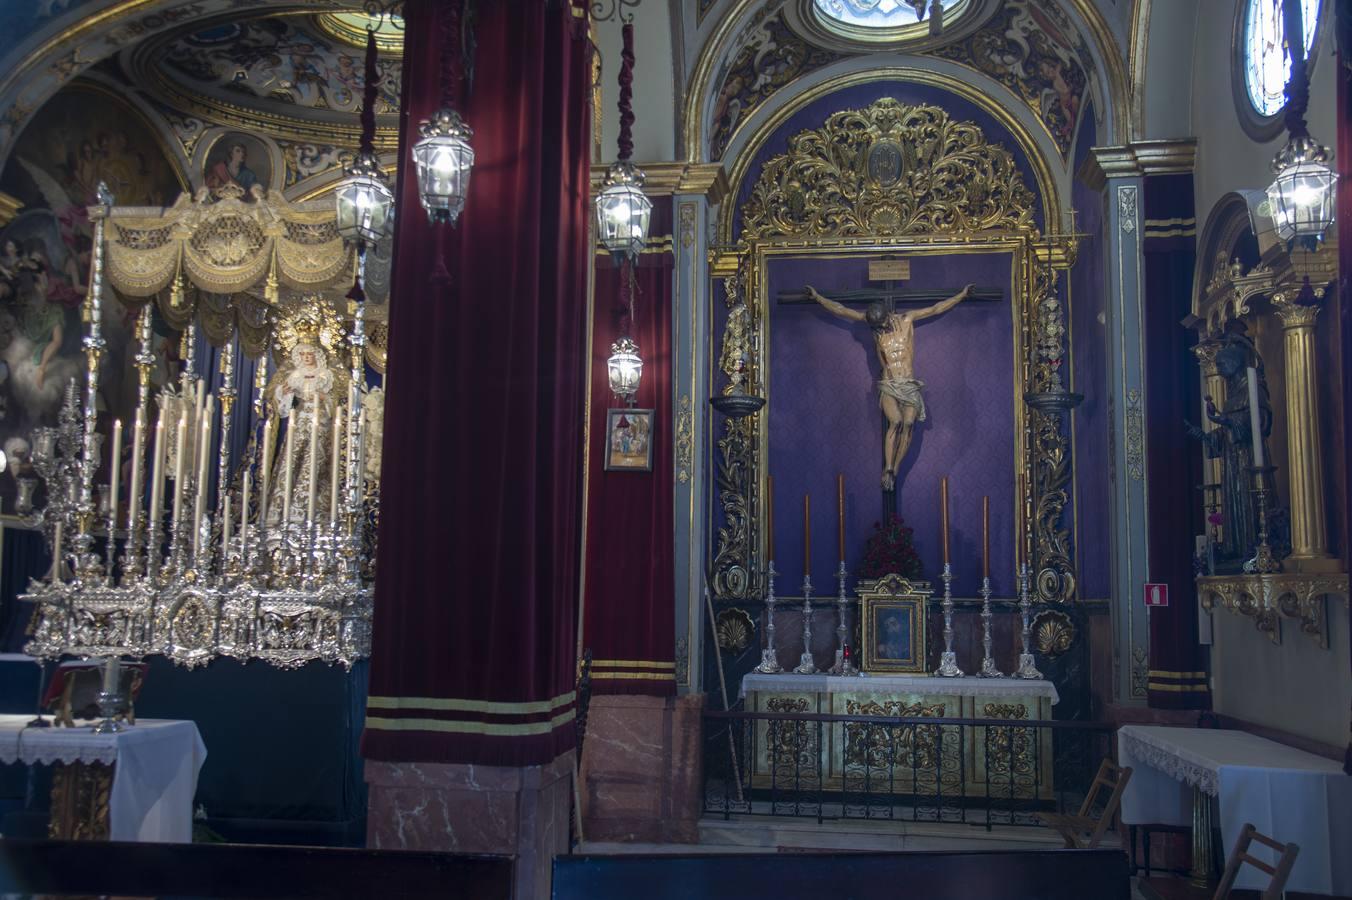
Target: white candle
[199, 498]
[225, 529]
[110, 673]
[1255, 419]
[180, 461]
[116, 474]
[244, 519]
[157, 477]
[268, 432]
[334, 465]
[313, 481]
[137, 447]
[287, 463]
[56, 554]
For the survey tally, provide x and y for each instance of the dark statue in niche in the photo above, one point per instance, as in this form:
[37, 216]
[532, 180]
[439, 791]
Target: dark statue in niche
[1232, 443]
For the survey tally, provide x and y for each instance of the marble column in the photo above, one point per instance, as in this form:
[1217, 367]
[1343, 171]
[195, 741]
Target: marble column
[1123, 183]
[1304, 442]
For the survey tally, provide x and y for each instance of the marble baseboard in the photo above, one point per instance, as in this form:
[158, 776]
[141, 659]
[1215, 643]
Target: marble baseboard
[642, 769]
[520, 812]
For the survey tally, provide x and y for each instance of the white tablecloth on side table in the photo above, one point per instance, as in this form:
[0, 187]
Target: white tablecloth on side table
[900, 684]
[154, 781]
[1288, 794]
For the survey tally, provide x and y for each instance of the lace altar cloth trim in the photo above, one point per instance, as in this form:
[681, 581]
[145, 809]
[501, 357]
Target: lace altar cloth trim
[46, 746]
[1170, 762]
[900, 684]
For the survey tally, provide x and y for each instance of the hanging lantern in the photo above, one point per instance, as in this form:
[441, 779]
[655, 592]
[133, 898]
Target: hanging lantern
[625, 368]
[623, 212]
[444, 159]
[1302, 197]
[365, 203]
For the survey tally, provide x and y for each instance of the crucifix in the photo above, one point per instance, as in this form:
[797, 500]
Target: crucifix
[899, 391]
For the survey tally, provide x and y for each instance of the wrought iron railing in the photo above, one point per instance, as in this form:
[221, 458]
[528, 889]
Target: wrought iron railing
[920, 767]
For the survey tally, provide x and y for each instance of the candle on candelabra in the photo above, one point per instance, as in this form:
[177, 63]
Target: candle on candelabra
[769, 517]
[943, 514]
[269, 430]
[314, 469]
[56, 553]
[334, 465]
[1255, 419]
[115, 473]
[986, 537]
[287, 463]
[180, 459]
[110, 673]
[226, 527]
[244, 518]
[157, 477]
[840, 515]
[200, 496]
[807, 535]
[137, 447]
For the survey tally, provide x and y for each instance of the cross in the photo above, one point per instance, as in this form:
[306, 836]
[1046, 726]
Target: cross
[887, 294]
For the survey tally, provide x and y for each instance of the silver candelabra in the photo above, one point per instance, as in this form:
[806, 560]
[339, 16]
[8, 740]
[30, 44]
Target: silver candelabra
[988, 669]
[805, 664]
[948, 660]
[843, 664]
[769, 664]
[1027, 667]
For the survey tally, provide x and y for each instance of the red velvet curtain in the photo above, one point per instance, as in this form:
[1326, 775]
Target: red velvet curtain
[473, 657]
[629, 619]
[1177, 677]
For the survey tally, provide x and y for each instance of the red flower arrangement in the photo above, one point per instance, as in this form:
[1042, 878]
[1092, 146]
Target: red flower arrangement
[890, 551]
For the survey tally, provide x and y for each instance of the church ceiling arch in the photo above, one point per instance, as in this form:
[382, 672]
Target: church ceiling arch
[1032, 149]
[1051, 62]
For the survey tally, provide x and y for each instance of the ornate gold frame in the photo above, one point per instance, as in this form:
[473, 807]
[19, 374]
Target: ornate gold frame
[964, 170]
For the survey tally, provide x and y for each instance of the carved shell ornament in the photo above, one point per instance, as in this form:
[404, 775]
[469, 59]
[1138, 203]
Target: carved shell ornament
[890, 169]
[1053, 633]
[735, 630]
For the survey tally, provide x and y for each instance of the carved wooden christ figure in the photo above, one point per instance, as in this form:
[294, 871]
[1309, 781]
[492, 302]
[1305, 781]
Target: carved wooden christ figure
[899, 391]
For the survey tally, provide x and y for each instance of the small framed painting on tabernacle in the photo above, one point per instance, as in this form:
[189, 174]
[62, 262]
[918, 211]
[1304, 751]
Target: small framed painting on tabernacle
[629, 440]
[894, 635]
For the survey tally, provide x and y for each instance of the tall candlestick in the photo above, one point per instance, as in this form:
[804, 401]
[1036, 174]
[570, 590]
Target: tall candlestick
[1018, 520]
[840, 515]
[807, 535]
[180, 449]
[244, 518]
[769, 517]
[334, 464]
[943, 514]
[314, 468]
[986, 537]
[115, 475]
[1255, 419]
[287, 478]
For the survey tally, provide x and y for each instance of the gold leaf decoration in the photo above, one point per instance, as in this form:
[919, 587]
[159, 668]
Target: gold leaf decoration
[735, 629]
[890, 169]
[1053, 633]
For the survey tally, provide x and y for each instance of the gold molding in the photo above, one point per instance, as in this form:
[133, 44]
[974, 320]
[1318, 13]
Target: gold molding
[1048, 191]
[9, 208]
[662, 179]
[1138, 55]
[1267, 599]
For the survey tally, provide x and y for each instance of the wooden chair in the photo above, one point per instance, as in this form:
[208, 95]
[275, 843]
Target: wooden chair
[1083, 831]
[1279, 873]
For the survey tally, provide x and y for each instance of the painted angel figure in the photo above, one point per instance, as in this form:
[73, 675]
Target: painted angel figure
[305, 394]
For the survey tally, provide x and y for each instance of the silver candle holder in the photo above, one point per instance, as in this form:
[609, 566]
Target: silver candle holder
[948, 660]
[1027, 667]
[988, 669]
[769, 664]
[843, 665]
[805, 664]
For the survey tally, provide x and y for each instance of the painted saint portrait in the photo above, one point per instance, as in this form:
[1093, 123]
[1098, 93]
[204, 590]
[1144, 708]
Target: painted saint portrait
[629, 443]
[894, 634]
[81, 138]
[236, 164]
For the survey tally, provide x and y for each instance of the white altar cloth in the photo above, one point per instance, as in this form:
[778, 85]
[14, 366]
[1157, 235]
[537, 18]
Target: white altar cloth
[1288, 794]
[900, 684]
[154, 781]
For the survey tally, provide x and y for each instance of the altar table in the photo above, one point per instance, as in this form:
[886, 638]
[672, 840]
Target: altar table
[154, 766]
[907, 759]
[1288, 794]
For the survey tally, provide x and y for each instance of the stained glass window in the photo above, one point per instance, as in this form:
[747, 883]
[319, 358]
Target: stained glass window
[1266, 65]
[877, 13]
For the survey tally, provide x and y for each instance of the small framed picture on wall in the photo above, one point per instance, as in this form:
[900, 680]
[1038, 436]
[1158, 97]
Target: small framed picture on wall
[629, 440]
